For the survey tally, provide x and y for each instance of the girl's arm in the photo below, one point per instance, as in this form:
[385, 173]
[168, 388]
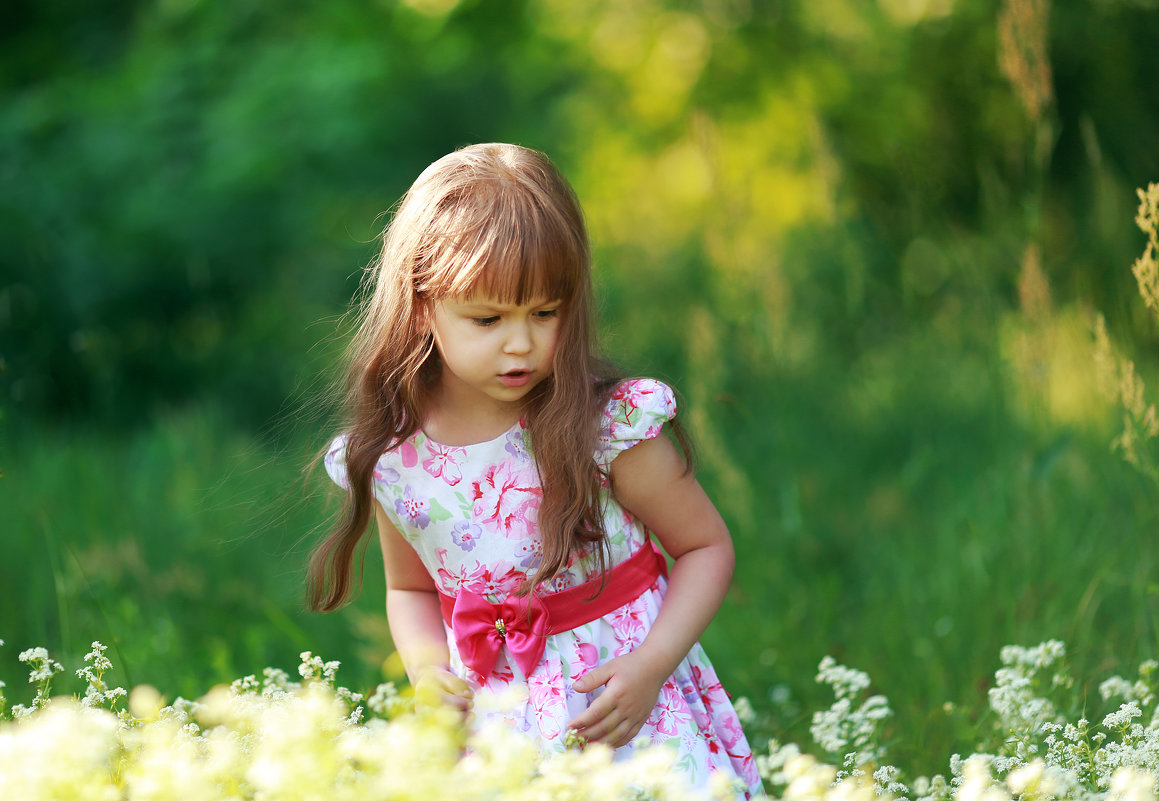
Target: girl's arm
[650, 481]
[416, 625]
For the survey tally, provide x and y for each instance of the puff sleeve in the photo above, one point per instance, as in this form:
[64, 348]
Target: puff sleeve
[636, 411]
[335, 462]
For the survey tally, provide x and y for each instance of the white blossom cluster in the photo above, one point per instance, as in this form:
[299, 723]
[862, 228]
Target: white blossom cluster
[386, 702]
[1038, 755]
[847, 729]
[1017, 697]
[43, 669]
[277, 740]
[97, 693]
[1083, 760]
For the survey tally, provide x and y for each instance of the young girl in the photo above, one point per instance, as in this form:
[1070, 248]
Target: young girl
[519, 487]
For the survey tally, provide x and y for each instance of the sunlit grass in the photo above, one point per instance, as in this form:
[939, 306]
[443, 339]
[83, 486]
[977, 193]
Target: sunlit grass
[893, 510]
[180, 543]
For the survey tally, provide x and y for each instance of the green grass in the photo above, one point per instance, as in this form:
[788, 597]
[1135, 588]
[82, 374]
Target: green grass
[908, 520]
[892, 509]
[180, 546]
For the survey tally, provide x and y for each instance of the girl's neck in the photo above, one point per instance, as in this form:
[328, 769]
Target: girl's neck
[459, 424]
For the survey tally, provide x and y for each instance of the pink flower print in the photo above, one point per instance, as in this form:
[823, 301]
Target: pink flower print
[712, 692]
[410, 457]
[497, 582]
[451, 580]
[586, 657]
[507, 499]
[528, 552]
[626, 401]
[545, 691]
[630, 642]
[731, 734]
[714, 746]
[412, 509]
[466, 535]
[502, 675]
[387, 476]
[557, 584]
[627, 624]
[516, 445]
[747, 770]
[471, 677]
[633, 396]
[443, 462]
[670, 711]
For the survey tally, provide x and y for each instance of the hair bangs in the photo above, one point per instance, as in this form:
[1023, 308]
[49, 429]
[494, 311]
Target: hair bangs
[502, 240]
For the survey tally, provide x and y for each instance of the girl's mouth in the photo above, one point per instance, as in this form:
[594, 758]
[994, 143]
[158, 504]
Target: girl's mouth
[515, 378]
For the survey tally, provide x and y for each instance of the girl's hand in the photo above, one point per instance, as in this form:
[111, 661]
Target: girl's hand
[438, 687]
[631, 686]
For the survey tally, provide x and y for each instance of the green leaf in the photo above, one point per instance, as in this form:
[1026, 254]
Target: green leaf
[438, 512]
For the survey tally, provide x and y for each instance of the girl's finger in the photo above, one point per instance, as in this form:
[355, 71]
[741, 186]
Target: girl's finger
[456, 701]
[594, 713]
[601, 731]
[596, 677]
[625, 732]
[634, 730]
[622, 735]
[599, 718]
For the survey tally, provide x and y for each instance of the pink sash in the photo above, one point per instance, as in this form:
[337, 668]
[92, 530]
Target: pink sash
[481, 627]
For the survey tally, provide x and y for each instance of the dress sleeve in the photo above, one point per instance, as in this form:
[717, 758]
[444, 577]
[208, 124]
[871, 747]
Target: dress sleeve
[636, 411]
[335, 461]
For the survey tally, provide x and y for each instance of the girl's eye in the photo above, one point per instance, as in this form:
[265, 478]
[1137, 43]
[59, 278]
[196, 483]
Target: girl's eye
[546, 314]
[484, 321]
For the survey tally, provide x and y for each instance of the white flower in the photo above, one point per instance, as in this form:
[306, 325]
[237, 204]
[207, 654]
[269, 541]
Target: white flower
[1123, 716]
[314, 669]
[387, 702]
[808, 778]
[1131, 784]
[1030, 780]
[846, 682]
[977, 783]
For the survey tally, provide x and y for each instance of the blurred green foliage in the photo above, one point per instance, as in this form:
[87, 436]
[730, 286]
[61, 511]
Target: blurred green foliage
[187, 180]
[865, 238]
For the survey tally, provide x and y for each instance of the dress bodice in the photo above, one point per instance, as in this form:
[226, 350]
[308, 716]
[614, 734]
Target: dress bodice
[471, 511]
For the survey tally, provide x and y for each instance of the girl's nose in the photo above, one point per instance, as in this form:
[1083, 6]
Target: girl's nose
[518, 338]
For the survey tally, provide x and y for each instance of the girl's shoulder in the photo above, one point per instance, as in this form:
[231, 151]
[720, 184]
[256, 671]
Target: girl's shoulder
[636, 410]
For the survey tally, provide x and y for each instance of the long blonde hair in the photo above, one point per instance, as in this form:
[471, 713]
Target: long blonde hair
[498, 220]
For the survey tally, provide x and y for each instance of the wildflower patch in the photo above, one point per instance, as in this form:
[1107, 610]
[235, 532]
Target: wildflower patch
[275, 738]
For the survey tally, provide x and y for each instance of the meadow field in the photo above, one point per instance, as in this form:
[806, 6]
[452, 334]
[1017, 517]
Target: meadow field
[884, 252]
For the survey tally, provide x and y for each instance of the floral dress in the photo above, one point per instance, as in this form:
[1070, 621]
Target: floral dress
[470, 512]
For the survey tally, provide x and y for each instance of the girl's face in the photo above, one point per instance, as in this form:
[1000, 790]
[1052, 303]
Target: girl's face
[494, 352]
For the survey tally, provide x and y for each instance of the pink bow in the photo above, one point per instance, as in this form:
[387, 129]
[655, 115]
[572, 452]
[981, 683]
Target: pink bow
[481, 628]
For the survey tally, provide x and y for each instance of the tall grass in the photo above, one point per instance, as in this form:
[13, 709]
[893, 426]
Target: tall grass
[179, 544]
[893, 509]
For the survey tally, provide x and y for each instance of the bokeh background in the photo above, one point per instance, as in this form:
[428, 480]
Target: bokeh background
[868, 240]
